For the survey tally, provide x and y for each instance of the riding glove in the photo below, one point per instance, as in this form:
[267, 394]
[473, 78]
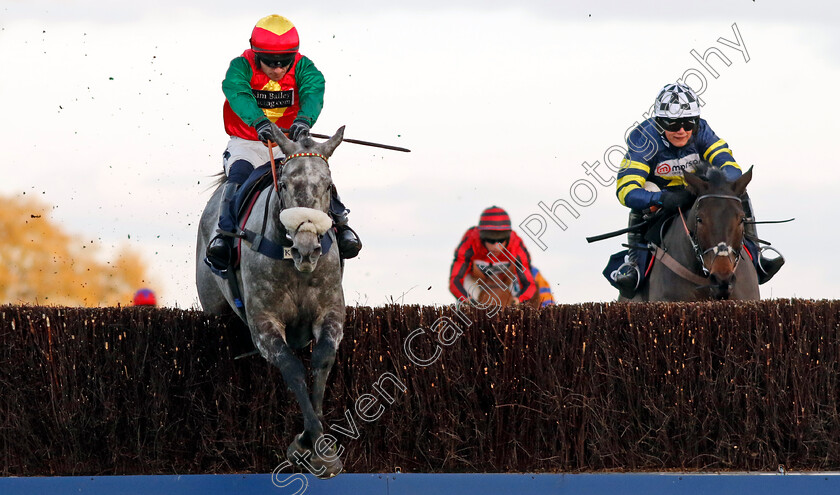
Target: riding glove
[672, 200]
[266, 131]
[299, 129]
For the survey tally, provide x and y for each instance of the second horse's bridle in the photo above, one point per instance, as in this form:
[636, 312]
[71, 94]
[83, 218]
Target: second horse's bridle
[721, 248]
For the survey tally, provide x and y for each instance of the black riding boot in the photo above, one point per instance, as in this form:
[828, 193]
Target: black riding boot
[628, 276]
[220, 250]
[349, 243]
[764, 265]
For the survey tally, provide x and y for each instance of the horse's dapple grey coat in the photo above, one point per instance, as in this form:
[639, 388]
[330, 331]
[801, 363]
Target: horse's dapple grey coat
[288, 303]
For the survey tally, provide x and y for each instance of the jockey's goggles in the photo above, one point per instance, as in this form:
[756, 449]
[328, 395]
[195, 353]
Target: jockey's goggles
[494, 241]
[276, 61]
[674, 125]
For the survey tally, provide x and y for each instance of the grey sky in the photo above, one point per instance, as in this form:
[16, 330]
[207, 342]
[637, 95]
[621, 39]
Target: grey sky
[611, 10]
[500, 106]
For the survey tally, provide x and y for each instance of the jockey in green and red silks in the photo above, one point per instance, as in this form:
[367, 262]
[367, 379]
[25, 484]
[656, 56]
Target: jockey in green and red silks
[251, 96]
[271, 83]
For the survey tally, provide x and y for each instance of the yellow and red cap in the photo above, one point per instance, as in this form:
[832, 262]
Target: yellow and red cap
[274, 34]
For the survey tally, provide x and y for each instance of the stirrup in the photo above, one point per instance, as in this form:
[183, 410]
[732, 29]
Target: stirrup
[347, 248]
[212, 259]
[766, 273]
[620, 276]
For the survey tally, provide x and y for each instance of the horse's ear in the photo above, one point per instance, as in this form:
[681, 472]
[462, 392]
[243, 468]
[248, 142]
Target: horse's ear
[330, 145]
[740, 184]
[695, 184]
[286, 145]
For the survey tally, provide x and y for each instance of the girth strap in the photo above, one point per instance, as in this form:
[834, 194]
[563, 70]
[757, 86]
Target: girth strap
[266, 246]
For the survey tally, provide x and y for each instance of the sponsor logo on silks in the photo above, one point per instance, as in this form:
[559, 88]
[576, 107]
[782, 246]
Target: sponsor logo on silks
[663, 169]
[676, 169]
[274, 99]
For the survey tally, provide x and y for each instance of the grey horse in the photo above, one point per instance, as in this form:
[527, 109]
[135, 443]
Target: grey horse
[289, 303]
[703, 259]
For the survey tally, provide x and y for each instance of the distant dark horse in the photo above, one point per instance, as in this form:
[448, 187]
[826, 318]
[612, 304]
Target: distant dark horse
[702, 255]
[289, 303]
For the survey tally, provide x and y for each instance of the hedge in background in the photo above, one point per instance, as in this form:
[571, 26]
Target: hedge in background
[688, 386]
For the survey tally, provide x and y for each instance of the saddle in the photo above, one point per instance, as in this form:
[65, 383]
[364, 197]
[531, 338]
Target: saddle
[259, 179]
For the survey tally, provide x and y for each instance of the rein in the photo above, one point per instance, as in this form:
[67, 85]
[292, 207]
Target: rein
[273, 167]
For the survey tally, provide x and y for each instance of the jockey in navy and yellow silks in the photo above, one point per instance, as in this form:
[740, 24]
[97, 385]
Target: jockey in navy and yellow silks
[269, 86]
[491, 234]
[666, 165]
[660, 150]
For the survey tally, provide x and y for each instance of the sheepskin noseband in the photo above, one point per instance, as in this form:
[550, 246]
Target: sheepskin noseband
[305, 220]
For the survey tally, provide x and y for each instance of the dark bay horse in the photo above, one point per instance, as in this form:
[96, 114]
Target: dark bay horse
[289, 303]
[702, 255]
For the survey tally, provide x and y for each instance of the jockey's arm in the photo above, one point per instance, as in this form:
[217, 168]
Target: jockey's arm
[237, 89]
[716, 151]
[642, 146]
[526, 277]
[629, 187]
[310, 83]
[461, 266]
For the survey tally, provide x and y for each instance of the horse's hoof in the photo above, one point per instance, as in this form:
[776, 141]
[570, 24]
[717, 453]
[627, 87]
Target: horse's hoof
[322, 468]
[331, 469]
[295, 447]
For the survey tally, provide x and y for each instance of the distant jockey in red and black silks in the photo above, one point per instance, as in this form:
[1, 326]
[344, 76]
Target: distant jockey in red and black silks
[492, 251]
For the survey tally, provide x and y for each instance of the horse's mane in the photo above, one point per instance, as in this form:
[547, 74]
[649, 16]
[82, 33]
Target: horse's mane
[713, 175]
[307, 143]
[716, 177]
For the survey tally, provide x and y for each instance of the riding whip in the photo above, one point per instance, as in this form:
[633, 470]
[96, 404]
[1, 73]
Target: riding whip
[633, 228]
[357, 141]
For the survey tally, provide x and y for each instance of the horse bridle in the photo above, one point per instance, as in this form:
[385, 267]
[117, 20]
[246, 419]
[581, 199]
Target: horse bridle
[279, 185]
[721, 249]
